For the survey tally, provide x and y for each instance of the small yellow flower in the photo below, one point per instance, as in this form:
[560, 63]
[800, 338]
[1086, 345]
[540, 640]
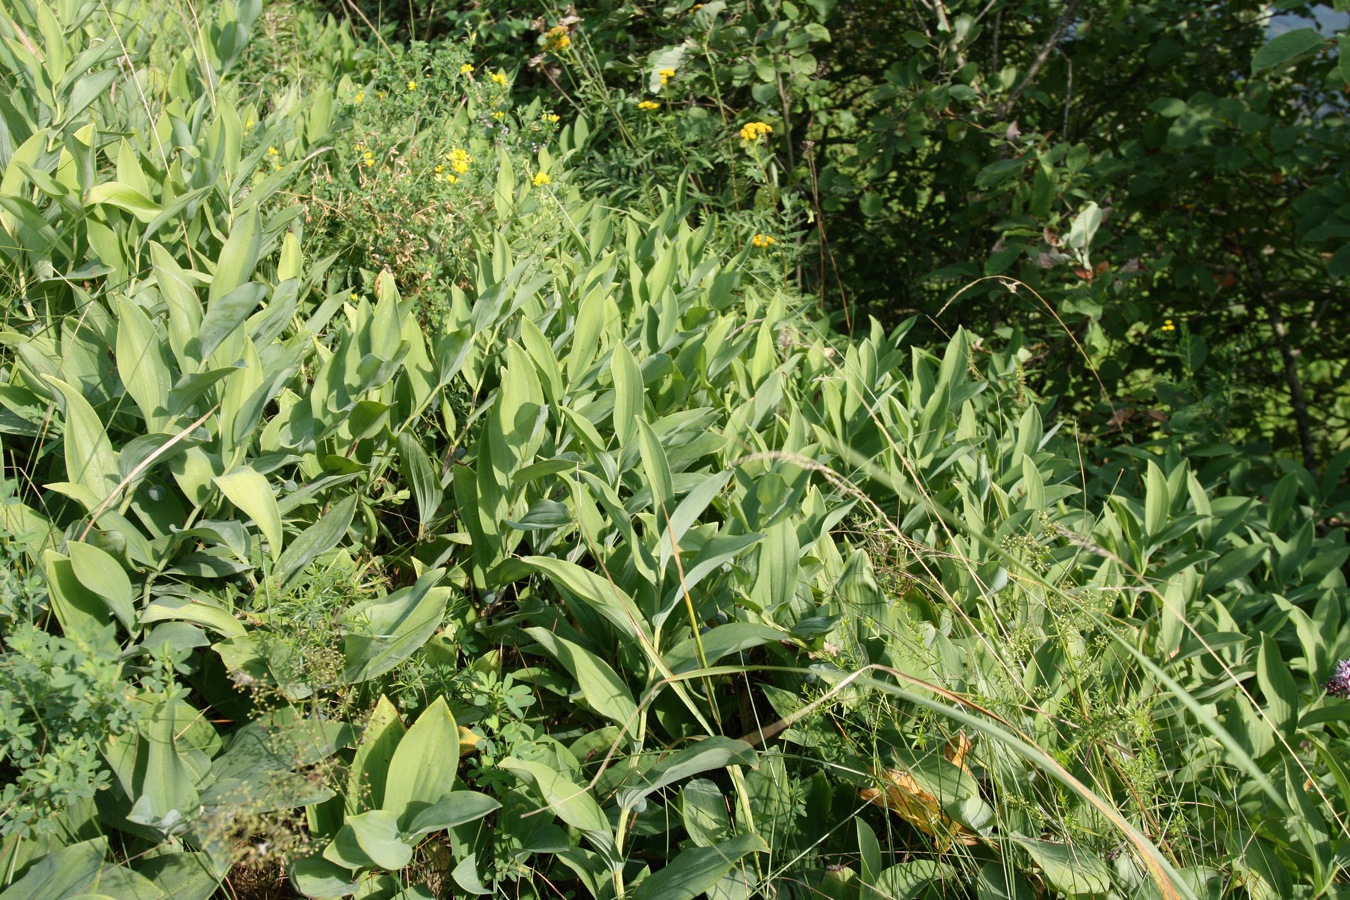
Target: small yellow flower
[499, 78]
[648, 104]
[1168, 325]
[499, 115]
[249, 124]
[380, 95]
[466, 69]
[762, 240]
[541, 179]
[552, 118]
[272, 151]
[439, 169]
[666, 74]
[412, 85]
[754, 131]
[557, 39]
[452, 179]
[459, 160]
[360, 95]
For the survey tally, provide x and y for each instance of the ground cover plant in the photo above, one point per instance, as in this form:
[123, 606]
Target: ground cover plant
[390, 513]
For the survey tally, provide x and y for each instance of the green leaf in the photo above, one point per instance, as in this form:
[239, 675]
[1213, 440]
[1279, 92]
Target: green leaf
[370, 839]
[60, 875]
[225, 317]
[628, 394]
[237, 259]
[369, 772]
[568, 800]
[124, 197]
[1069, 869]
[382, 633]
[314, 541]
[181, 876]
[697, 869]
[143, 364]
[1232, 565]
[869, 856]
[90, 460]
[603, 689]
[716, 752]
[657, 468]
[1278, 686]
[606, 598]
[104, 575]
[82, 613]
[456, 809]
[913, 879]
[1287, 48]
[251, 493]
[319, 878]
[422, 770]
[1157, 502]
[418, 472]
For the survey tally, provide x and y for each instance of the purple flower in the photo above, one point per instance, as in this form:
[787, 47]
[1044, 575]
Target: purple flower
[1339, 685]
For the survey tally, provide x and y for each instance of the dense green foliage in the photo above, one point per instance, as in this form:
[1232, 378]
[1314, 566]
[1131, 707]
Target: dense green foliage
[419, 482]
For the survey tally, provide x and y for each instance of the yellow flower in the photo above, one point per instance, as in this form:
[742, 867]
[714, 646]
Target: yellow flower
[499, 115]
[557, 39]
[648, 104]
[249, 124]
[466, 69]
[499, 77]
[459, 160]
[754, 131]
[360, 95]
[452, 179]
[551, 118]
[762, 240]
[666, 74]
[272, 151]
[1168, 325]
[381, 95]
[541, 179]
[439, 169]
[412, 85]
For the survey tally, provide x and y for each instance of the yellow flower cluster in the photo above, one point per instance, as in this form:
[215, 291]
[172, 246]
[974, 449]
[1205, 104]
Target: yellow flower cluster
[499, 115]
[666, 75]
[360, 95]
[499, 78]
[466, 69]
[755, 130]
[541, 179]
[557, 39]
[412, 85]
[552, 118]
[272, 151]
[459, 160]
[1168, 325]
[648, 104]
[367, 159]
[762, 240]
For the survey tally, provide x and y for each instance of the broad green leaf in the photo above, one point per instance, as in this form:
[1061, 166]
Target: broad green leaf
[594, 590]
[143, 364]
[376, 845]
[198, 610]
[181, 876]
[703, 810]
[1157, 501]
[251, 493]
[569, 801]
[696, 869]
[1233, 565]
[61, 875]
[1282, 702]
[720, 641]
[316, 877]
[687, 513]
[238, 258]
[90, 459]
[603, 689]
[422, 770]
[1069, 869]
[224, 320]
[124, 197]
[716, 752]
[421, 476]
[380, 634]
[628, 394]
[167, 792]
[104, 575]
[918, 878]
[869, 857]
[314, 541]
[456, 809]
[1287, 48]
[82, 613]
[369, 772]
[657, 468]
